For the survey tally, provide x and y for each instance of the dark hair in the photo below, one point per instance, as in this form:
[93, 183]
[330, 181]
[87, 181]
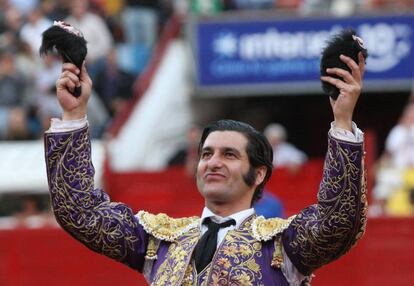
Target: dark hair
[346, 43]
[259, 150]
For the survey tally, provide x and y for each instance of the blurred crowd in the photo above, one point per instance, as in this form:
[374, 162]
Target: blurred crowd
[302, 7]
[27, 81]
[120, 36]
[393, 192]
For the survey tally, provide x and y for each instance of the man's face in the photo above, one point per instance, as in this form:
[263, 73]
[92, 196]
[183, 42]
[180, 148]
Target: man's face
[222, 167]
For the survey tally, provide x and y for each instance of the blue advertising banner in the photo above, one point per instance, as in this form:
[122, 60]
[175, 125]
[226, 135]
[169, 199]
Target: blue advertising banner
[259, 55]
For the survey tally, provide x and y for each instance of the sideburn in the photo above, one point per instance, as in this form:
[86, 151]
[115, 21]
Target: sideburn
[250, 177]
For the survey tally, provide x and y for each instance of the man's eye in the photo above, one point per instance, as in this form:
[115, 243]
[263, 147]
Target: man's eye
[230, 155]
[205, 155]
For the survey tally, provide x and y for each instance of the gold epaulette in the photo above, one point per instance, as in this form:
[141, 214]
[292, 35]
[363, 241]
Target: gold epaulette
[265, 229]
[163, 227]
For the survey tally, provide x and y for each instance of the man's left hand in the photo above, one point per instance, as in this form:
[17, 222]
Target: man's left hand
[349, 90]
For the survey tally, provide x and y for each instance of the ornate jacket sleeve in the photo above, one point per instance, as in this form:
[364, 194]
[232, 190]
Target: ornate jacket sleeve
[84, 212]
[323, 232]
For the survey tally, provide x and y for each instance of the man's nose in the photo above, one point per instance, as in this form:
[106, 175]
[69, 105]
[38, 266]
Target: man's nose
[215, 161]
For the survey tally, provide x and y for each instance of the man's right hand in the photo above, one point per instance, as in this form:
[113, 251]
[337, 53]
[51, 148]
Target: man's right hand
[73, 107]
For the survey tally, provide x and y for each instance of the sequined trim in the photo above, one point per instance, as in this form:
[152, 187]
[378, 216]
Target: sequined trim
[152, 248]
[150, 257]
[277, 257]
[164, 227]
[189, 276]
[266, 229]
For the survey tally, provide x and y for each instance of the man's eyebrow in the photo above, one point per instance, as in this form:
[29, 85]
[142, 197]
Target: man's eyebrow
[206, 148]
[223, 149]
[231, 149]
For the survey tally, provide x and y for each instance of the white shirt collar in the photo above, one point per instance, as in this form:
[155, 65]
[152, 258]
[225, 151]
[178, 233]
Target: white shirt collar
[239, 217]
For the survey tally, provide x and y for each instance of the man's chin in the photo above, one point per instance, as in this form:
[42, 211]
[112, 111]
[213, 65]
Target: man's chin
[213, 194]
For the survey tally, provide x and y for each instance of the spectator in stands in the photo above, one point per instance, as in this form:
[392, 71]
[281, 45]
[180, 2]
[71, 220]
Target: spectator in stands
[32, 30]
[113, 85]
[269, 206]
[27, 63]
[203, 7]
[140, 21]
[339, 8]
[387, 5]
[29, 207]
[254, 4]
[13, 101]
[395, 175]
[284, 154]
[32, 213]
[12, 25]
[228, 243]
[45, 91]
[400, 141]
[99, 39]
[55, 10]
[24, 6]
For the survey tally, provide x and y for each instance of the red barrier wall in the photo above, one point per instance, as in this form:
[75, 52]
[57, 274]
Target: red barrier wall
[46, 257]
[175, 193]
[50, 257]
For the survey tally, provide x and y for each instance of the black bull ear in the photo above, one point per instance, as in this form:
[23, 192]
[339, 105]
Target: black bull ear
[69, 43]
[345, 43]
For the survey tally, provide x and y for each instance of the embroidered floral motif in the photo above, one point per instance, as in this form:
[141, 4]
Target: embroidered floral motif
[80, 209]
[236, 260]
[265, 229]
[171, 267]
[323, 232]
[164, 227]
[224, 262]
[174, 269]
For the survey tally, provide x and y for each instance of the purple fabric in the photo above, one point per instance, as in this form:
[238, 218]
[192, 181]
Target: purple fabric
[321, 233]
[244, 254]
[318, 235]
[84, 212]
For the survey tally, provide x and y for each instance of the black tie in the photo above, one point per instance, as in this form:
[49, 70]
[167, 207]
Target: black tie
[206, 246]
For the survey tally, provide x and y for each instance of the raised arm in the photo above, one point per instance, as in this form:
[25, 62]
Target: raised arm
[87, 213]
[323, 232]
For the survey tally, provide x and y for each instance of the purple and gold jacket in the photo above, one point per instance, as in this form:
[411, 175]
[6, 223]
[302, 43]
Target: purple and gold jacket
[161, 247]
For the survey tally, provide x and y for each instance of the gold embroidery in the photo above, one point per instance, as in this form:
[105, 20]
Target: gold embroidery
[152, 248]
[236, 260]
[277, 258]
[172, 270]
[80, 209]
[364, 202]
[164, 227]
[224, 262]
[189, 276]
[265, 229]
[328, 230]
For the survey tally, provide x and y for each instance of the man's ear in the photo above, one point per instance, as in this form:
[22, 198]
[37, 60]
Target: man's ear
[260, 173]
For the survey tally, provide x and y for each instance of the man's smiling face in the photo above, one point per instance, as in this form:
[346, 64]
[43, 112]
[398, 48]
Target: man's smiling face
[223, 168]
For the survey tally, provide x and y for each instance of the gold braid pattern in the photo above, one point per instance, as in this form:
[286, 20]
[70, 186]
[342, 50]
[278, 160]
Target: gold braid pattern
[324, 232]
[86, 213]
